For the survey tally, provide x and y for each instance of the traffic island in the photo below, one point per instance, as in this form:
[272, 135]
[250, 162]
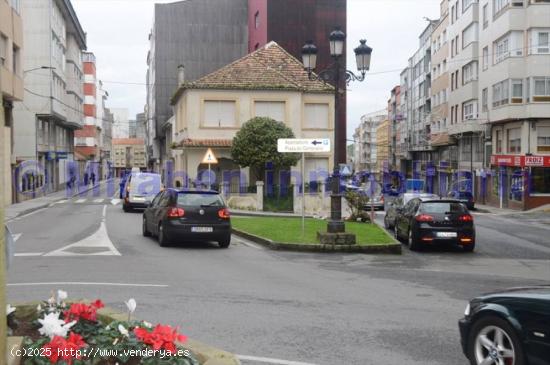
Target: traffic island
[278, 233]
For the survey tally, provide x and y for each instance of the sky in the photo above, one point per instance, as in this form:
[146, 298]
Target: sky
[117, 32]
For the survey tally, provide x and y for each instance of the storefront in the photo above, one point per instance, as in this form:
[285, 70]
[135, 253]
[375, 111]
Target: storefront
[519, 182]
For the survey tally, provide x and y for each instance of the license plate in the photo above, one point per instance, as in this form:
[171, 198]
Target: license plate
[446, 234]
[202, 229]
[139, 199]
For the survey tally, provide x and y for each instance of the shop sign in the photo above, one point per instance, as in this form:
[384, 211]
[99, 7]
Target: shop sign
[520, 161]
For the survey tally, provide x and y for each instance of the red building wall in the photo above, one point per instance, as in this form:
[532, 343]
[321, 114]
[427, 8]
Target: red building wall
[257, 37]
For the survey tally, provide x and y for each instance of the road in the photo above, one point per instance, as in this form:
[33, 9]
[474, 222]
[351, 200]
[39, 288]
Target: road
[292, 308]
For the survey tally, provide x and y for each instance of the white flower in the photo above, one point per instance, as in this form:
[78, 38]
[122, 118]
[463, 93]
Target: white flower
[39, 308]
[53, 326]
[131, 305]
[123, 331]
[147, 324]
[108, 328]
[9, 309]
[61, 296]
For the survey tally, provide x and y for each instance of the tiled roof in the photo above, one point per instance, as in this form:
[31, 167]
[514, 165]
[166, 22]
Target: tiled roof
[128, 141]
[206, 143]
[268, 68]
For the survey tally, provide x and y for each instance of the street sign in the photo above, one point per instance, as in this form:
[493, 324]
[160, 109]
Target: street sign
[345, 170]
[296, 145]
[209, 157]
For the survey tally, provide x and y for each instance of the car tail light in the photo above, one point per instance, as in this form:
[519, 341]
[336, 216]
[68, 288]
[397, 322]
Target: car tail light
[466, 218]
[223, 213]
[382, 199]
[466, 240]
[175, 213]
[424, 218]
[427, 239]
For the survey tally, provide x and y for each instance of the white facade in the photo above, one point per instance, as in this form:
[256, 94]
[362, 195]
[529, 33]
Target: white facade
[365, 141]
[121, 126]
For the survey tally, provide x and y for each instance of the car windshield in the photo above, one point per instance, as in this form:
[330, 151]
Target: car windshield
[442, 207]
[198, 199]
[145, 184]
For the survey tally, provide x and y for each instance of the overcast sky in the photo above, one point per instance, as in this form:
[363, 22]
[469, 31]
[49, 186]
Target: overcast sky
[117, 33]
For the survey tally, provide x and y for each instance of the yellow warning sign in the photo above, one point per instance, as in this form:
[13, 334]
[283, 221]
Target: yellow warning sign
[209, 157]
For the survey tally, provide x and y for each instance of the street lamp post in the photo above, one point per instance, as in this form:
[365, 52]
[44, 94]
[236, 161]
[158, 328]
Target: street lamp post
[336, 73]
[39, 68]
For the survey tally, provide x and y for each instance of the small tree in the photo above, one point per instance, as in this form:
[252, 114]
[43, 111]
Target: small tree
[357, 201]
[256, 144]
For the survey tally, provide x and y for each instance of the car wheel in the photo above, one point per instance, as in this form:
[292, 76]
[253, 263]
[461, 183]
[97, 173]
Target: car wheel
[225, 242]
[469, 248]
[163, 240]
[412, 242]
[492, 340]
[386, 225]
[145, 231]
[126, 208]
[396, 234]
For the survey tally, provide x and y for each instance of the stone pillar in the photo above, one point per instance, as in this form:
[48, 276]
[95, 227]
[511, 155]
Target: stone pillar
[259, 196]
[297, 199]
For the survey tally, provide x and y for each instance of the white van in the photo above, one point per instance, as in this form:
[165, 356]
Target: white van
[141, 188]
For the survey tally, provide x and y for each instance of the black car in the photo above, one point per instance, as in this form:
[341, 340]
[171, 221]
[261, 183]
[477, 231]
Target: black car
[464, 197]
[511, 327]
[399, 202]
[431, 222]
[188, 215]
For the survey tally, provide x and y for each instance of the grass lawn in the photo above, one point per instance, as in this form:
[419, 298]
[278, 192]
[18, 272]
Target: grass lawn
[289, 230]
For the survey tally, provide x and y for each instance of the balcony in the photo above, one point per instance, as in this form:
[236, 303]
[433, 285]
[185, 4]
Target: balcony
[467, 126]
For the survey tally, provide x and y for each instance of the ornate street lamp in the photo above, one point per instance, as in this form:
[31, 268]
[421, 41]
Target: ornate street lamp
[336, 73]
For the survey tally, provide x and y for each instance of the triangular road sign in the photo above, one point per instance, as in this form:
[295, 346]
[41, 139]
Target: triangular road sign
[209, 157]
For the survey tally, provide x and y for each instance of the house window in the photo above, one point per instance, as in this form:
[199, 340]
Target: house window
[484, 100]
[485, 58]
[540, 180]
[316, 116]
[469, 35]
[469, 110]
[543, 139]
[3, 49]
[257, 20]
[511, 45]
[220, 113]
[485, 16]
[517, 91]
[271, 109]
[500, 93]
[499, 141]
[540, 41]
[514, 140]
[499, 6]
[542, 89]
[502, 49]
[469, 73]
[316, 169]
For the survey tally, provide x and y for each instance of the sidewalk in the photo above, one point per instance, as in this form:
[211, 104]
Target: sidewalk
[480, 208]
[29, 206]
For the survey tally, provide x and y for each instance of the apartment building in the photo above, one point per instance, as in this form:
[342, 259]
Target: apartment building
[383, 147]
[365, 152]
[53, 102]
[11, 89]
[397, 130]
[128, 153]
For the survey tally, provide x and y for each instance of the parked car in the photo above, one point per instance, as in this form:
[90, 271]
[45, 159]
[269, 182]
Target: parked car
[399, 202]
[432, 222]
[464, 197]
[508, 327]
[141, 188]
[188, 215]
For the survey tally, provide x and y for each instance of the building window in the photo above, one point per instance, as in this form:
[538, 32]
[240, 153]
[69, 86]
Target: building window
[257, 20]
[499, 141]
[514, 140]
[540, 180]
[540, 41]
[542, 89]
[499, 6]
[452, 14]
[316, 116]
[543, 139]
[485, 58]
[484, 100]
[469, 73]
[466, 4]
[502, 49]
[511, 45]
[469, 35]
[3, 50]
[16, 59]
[452, 48]
[485, 16]
[271, 109]
[219, 114]
[500, 93]
[452, 114]
[469, 110]
[517, 91]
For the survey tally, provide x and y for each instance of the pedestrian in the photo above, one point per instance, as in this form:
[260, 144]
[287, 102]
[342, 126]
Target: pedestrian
[93, 178]
[86, 179]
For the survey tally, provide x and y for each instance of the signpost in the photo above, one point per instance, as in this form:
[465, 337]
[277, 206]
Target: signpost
[209, 158]
[303, 146]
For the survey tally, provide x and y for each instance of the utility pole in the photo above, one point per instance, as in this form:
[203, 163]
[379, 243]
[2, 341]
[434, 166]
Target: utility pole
[3, 266]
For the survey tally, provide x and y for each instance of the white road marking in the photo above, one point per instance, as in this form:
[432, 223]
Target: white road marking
[16, 236]
[54, 283]
[31, 213]
[115, 201]
[98, 200]
[99, 239]
[80, 201]
[28, 254]
[249, 244]
[271, 361]
[61, 201]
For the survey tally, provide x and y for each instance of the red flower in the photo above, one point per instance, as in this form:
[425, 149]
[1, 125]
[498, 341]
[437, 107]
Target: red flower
[162, 337]
[64, 349]
[79, 311]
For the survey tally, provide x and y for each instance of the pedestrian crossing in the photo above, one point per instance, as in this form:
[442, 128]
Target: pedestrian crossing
[89, 201]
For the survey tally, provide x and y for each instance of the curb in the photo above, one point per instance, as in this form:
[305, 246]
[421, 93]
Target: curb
[392, 248]
[266, 214]
[45, 205]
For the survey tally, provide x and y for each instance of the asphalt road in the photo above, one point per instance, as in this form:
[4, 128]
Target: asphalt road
[303, 308]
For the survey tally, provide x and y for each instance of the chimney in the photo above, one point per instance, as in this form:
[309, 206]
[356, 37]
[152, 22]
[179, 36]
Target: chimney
[181, 74]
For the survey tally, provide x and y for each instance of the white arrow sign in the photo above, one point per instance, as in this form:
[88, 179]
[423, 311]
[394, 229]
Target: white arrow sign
[295, 145]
